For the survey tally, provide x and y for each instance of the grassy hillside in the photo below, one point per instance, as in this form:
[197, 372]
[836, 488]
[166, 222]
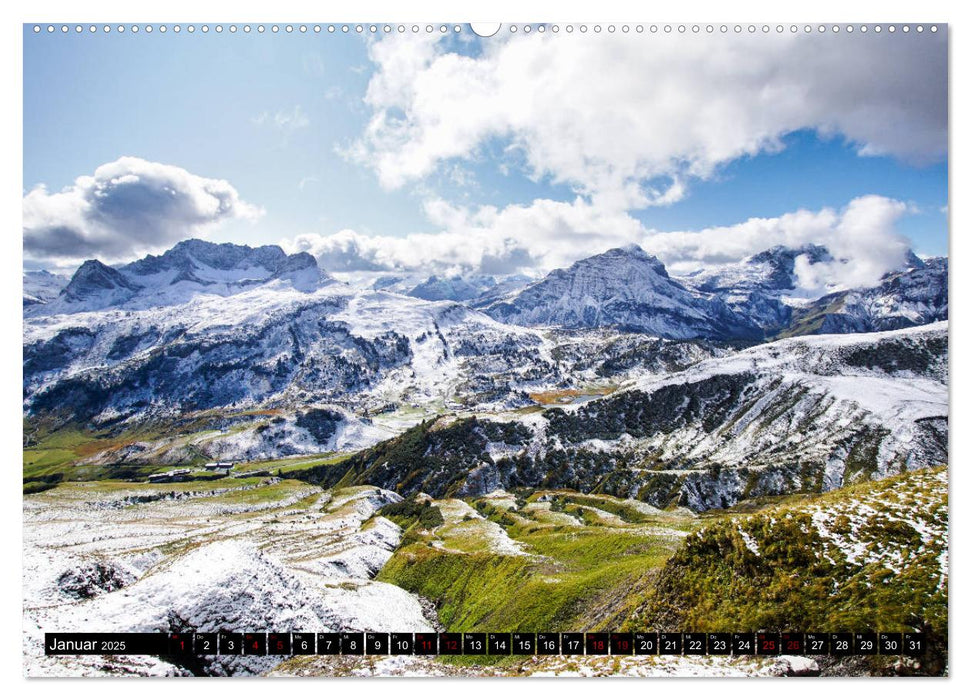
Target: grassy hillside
[63, 453]
[870, 557]
[572, 562]
[52, 455]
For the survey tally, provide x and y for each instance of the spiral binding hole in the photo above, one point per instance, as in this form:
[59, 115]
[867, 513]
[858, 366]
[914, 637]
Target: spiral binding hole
[444, 29]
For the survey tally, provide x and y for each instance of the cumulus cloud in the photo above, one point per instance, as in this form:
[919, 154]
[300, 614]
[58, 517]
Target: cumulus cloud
[861, 237]
[629, 120]
[547, 234]
[530, 238]
[126, 208]
[344, 251]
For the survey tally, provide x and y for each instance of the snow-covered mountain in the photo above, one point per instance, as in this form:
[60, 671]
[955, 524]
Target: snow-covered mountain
[269, 346]
[910, 297]
[627, 288]
[191, 268]
[472, 289]
[222, 265]
[456, 288]
[750, 300]
[207, 331]
[94, 284]
[41, 286]
[755, 288]
[623, 288]
[772, 270]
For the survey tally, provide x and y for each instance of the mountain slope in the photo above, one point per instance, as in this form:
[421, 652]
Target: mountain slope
[911, 297]
[249, 554]
[41, 286]
[452, 288]
[873, 557]
[270, 346]
[801, 415]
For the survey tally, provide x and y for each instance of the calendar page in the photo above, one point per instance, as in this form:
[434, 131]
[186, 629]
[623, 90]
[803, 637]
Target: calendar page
[520, 349]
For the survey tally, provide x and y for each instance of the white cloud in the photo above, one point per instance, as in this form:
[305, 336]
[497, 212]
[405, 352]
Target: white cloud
[285, 122]
[344, 251]
[530, 239]
[861, 237]
[126, 208]
[549, 234]
[306, 181]
[615, 115]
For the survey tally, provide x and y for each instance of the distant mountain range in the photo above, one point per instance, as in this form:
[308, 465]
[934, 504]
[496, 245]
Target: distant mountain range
[176, 276]
[610, 374]
[623, 288]
[629, 289]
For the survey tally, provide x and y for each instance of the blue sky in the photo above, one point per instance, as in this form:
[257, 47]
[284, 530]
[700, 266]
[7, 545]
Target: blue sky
[283, 119]
[192, 101]
[813, 173]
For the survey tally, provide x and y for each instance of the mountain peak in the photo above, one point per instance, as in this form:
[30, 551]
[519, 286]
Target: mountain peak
[782, 258]
[94, 278]
[297, 261]
[302, 270]
[631, 255]
[913, 261]
[454, 288]
[630, 248]
[623, 287]
[191, 254]
[206, 263]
